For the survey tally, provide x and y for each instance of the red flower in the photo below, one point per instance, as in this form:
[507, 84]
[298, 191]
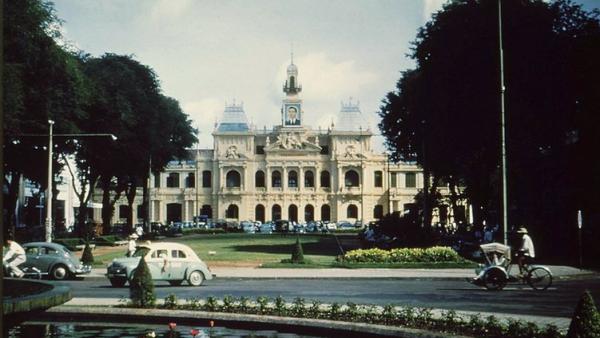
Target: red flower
[172, 326]
[194, 332]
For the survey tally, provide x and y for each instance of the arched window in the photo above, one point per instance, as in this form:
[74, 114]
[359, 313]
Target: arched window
[232, 211]
[309, 179]
[206, 179]
[351, 179]
[293, 179]
[293, 213]
[276, 179]
[190, 180]
[233, 179]
[378, 211]
[259, 179]
[352, 211]
[325, 213]
[276, 212]
[259, 213]
[173, 180]
[206, 210]
[378, 179]
[325, 179]
[309, 213]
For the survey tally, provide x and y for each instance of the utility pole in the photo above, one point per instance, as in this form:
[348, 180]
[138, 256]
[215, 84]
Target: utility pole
[503, 128]
[49, 191]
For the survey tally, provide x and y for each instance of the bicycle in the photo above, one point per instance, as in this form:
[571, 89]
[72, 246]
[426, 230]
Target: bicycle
[496, 273]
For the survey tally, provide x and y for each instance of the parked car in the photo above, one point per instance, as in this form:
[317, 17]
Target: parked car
[282, 225]
[53, 260]
[330, 226]
[248, 227]
[345, 225]
[172, 262]
[266, 228]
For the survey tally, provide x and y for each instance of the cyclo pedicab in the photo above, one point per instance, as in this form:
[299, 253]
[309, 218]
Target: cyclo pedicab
[495, 273]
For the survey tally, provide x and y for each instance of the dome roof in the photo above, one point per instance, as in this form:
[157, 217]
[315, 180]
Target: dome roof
[234, 119]
[351, 119]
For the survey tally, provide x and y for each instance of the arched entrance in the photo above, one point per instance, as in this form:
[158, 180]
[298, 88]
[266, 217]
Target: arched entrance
[309, 213]
[325, 213]
[173, 212]
[232, 212]
[293, 213]
[276, 212]
[206, 211]
[259, 213]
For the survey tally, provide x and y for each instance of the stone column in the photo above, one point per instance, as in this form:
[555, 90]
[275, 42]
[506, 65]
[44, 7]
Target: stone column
[284, 179]
[300, 180]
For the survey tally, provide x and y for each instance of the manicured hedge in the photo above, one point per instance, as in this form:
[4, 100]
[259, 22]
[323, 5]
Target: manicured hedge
[188, 231]
[448, 321]
[70, 243]
[108, 240]
[436, 254]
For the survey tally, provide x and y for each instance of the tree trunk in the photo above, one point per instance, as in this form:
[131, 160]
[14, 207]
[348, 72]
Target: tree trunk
[10, 202]
[131, 192]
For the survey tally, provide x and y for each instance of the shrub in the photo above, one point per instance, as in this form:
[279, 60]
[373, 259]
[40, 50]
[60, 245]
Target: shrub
[434, 254]
[171, 301]
[586, 319]
[189, 231]
[87, 257]
[70, 243]
[298, 254]
[141, 287]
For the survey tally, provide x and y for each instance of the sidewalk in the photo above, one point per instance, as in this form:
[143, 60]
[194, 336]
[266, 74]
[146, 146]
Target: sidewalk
[558, 272]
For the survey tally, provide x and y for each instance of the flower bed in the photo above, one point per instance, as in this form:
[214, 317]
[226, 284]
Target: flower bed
[436, 254]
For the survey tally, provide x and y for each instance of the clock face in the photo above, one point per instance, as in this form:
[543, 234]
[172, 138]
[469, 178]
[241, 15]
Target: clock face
[292, 115]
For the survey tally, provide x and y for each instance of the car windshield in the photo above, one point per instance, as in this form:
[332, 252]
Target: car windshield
[141, 251]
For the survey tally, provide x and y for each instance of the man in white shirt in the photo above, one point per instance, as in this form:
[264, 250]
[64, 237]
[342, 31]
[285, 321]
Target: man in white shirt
[526, 252]
[14, 255]
[131, 245]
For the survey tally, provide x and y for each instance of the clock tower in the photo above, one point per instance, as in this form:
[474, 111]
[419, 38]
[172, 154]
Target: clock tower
[291, 111]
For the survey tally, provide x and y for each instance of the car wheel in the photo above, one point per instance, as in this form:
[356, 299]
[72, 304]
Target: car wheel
[196, 278]
[175, 282]
[117, 282]
[59, 272]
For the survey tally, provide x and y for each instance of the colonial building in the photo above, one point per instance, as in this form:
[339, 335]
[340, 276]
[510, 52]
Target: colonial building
[291, 171]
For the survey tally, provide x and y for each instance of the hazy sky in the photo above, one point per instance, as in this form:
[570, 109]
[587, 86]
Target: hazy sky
[208, 53]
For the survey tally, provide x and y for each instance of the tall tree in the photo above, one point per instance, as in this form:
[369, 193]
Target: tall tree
[549, 52]
[41, 81]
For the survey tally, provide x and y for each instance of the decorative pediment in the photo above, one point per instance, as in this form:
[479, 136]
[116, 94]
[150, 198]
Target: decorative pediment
[352, 153]
[232, 153]
[291, 142]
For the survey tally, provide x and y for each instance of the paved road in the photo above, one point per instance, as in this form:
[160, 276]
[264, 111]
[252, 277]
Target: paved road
[558, 301]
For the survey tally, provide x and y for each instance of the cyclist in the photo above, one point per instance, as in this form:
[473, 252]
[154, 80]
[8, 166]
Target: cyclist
[14, 255]
[526, 252]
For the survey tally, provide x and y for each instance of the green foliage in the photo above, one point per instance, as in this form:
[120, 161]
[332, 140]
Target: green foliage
[189, 231]
[171, 301]
[586, 319]
[263, 305]
[280, 306]
[70, 243]
[404, 255]
[87, 257]
[141, 287]
[298, 253]
[422, 318]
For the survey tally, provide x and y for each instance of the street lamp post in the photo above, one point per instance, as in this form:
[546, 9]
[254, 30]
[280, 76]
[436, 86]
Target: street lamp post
[49, 191]
[51, 135]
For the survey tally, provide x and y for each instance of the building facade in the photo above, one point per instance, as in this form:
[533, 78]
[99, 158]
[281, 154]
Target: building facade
[291, 171]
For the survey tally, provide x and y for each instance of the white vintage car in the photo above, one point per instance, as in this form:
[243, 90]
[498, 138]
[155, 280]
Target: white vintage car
[171, 262]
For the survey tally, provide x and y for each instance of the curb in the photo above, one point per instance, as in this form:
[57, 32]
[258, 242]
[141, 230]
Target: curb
[246, 321]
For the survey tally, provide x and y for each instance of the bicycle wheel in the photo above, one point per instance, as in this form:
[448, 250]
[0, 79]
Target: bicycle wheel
[539, 278]
[494, 279]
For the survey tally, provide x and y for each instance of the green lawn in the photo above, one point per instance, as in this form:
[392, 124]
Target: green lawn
[251, 248]
[268, 251]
